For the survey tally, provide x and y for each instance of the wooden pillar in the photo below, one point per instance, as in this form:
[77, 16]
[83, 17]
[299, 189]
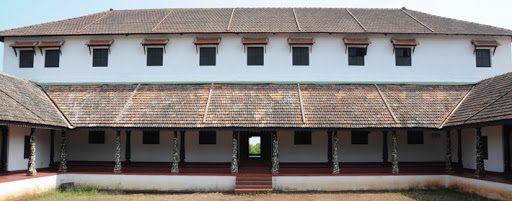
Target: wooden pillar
[63, 165]
[394, 153]
[459, 148]
[32, 157]
[506, 149]
[3, 156]
[182, 148]
[480, 168]
[329, 149]
[52, 147]
[234, 153]
[275, 153]
[448, 166]
[118, 167]
[175, 154]
[335, 153]
[385, 154]
[128, 149]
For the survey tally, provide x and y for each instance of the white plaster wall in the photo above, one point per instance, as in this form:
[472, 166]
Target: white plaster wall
[170, 183]
[495, 145]
[16, 142]
[151, 152]
[432, 149]
[220, 152]
[371, 152]
[79, 149]
[23, 188]
[289, 152]
[437, 59]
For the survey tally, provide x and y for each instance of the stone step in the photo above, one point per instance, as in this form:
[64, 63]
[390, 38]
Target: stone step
[252, 191]
[254, 179]
[253, 183]
[239, 187]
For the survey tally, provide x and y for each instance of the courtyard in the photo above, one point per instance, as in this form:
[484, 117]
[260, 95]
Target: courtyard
[89, 193]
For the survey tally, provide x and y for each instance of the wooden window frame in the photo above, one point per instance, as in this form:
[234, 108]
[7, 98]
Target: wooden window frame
[306, 135]
[94, 49]
[247, 47]
[26, 147]
[101, 137]
[409, 48]
[148, 55]
[357, 47]
[23, 51]
[353, 139]
[151, 137]
[46, 65]
[204, 141]
[200, 47]
[293, 54]
[479, 49]
[410, 139]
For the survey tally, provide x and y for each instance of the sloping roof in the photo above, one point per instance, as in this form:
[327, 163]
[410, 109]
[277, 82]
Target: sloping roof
[257, 105]
[257, 20]
[490, 100]
[22, 101]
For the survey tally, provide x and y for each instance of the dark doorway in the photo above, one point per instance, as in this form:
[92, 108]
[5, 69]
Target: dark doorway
[255, 152]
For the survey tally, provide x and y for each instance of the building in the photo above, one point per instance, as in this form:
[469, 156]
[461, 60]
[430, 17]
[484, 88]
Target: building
[391, 93]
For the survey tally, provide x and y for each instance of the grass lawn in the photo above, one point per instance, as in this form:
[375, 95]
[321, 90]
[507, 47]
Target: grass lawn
[93, 194]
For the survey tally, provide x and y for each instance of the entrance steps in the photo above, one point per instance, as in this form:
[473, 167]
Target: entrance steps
[253, 183]
[253, 178]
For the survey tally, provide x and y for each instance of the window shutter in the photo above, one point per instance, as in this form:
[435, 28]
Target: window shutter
[300, 56]
[155, 56]
[27, 58]
[52, 58]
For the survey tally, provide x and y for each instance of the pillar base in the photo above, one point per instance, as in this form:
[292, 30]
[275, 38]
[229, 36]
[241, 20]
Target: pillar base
[234, 173]
[31, 174]
[275, 173]
[479, 176]
[117, 172]
[65, 170]
[395, 172]
[175, 173]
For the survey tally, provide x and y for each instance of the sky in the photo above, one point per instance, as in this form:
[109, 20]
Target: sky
[18, 13]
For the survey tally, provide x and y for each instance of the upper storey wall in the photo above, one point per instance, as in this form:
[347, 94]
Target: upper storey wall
[437, 59]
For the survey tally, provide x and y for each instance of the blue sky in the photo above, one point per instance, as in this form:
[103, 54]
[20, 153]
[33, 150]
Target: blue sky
[18, 13]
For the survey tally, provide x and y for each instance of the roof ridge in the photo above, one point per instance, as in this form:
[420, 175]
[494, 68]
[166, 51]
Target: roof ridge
[489, 104]
[56, 107]
[97, 20]
[126, 104]
[22, 105]
[456, 107]
[355, 18]
[161, 21]
[386, 104]
[296, 19]
[416, 19]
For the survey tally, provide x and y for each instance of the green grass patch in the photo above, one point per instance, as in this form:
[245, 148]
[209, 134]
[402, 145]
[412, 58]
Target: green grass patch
[80, 193]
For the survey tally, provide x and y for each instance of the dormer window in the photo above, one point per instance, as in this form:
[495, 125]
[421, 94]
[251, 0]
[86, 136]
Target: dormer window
[100, 50]
[403, 49]
[356, 48]
[300, 48]
[155, 49]
[255, 48]
[483, 51]
[208, 49]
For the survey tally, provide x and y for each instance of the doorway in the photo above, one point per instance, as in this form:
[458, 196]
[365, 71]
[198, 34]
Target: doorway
[255, 146]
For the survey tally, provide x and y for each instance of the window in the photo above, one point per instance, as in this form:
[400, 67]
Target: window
[300, 56]
[207, 56]
[207, 137]
[27, 58]
[485, 148]
[414, 137]
[151, 137]
[51, 58]
[26, 150]
[155, 56]
[403, 56]
[483, 58]
[255, 56]
[302, 137]
[359, 137]
[96, 137]
[100, 57]
[356, 56]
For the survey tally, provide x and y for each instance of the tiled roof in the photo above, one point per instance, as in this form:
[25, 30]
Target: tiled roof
[257, 20]
[257, 105]
[22, 101]
[489, 100]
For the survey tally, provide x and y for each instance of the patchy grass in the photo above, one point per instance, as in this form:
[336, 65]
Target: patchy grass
[89, 193]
